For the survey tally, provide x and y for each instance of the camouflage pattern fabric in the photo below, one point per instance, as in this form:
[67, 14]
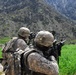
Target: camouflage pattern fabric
[39, 65]
[11, 61]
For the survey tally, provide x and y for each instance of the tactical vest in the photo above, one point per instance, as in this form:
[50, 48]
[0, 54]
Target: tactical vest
[25, 68]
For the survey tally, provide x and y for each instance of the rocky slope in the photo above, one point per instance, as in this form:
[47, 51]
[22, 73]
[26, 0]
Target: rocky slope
[34, 14]
[67, 7]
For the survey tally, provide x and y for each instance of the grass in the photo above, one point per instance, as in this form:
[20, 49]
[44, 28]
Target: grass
[67, 63]
[4, 40]
[0, 52]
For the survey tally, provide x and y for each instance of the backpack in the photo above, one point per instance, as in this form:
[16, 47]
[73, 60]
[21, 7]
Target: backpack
[10, 58]
[9, 46]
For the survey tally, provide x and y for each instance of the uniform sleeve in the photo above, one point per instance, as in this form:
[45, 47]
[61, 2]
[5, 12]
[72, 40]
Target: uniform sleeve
[40, 64]
[22, 44]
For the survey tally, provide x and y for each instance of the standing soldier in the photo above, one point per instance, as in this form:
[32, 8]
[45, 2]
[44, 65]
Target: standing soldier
[18, 43]
[35, 61]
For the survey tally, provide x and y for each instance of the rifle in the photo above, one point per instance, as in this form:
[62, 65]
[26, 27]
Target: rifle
[31, 38]
[55, 50]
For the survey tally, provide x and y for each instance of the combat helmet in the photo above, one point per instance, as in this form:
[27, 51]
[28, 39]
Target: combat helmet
[44, 38]
[24, 32]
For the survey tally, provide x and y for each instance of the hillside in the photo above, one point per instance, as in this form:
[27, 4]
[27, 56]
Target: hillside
[66, 7]
[36, 15]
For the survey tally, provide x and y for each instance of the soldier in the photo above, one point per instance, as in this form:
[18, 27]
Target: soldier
[35, 60]
[18, 43]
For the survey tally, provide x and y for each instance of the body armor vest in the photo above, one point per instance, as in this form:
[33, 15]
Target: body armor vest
[27, 71]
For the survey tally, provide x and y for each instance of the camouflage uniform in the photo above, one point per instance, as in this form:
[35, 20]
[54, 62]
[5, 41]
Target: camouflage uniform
[11, 60]
[35, 60]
